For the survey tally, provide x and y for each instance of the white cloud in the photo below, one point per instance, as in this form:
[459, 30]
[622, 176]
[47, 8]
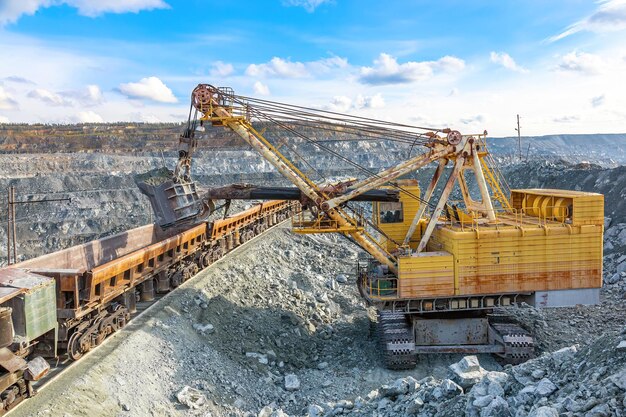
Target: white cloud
[18, 80]
[7, 102]
[221, 69]
[505, 60]
[49, 97]
[369, 102]
[473, 120]
[344, 104]
[12, 10]
[4, 119]
[566, 119]
[90, 96]
[387, 70]
[610, 16]
[598, 101]
[325, 65]
[581, 62]
[340, 104]
[308, 5]
[93, 8]
[88, 116]
[285, 68]
[278, 67]
[151, 88]
[147, 117]
[261, 89]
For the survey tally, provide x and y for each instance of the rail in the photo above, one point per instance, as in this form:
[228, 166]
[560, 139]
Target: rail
[321, 224]
[376, 287]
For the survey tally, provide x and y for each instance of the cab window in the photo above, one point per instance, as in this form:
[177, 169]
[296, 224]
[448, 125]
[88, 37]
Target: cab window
[391, 212]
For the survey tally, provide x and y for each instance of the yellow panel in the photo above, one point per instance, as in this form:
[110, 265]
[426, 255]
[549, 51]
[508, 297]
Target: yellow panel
[428, 274]
[552, 241]
[555, 256]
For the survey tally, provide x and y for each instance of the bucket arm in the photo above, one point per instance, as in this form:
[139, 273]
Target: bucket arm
[217, 106]
[210, 102]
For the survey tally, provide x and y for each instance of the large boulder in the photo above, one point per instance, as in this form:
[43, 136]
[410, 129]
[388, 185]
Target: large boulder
[484, 399]
[292, 383]
[498, 407]
[545, 388]
[564, 355]
[398, 387]
[467, 372]
[619, 379]
[191, 397]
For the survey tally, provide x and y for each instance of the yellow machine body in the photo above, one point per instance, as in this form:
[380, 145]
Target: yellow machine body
[550, 240]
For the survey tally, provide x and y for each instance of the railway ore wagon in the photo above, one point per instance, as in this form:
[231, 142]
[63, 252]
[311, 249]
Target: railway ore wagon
[71, 300]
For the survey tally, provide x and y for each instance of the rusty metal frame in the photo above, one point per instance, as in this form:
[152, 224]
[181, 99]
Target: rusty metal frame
[429, 192]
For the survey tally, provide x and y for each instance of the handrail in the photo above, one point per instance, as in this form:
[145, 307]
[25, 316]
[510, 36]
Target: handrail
[379, 287]
[521, 217]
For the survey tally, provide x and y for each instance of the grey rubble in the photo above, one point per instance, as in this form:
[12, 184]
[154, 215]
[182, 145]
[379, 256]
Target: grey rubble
[572, 381]
[283, 308]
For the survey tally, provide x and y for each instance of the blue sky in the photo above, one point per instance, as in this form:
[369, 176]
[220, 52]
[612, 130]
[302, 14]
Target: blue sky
[468, 65]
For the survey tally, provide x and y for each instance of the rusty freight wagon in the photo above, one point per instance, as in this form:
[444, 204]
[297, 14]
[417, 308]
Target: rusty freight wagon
[71, 300]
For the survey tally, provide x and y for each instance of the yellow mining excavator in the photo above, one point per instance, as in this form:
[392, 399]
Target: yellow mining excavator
[438, 270]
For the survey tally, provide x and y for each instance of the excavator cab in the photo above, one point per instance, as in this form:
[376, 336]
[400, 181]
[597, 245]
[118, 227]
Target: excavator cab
[394, 218]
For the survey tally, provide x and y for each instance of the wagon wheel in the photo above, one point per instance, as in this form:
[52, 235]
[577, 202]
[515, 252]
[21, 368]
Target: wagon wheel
[124, 317]
[74, 350]
[99, 337]
[106, 327]
[206, 260]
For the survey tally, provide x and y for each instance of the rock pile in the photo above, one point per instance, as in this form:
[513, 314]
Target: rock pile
[573, 381]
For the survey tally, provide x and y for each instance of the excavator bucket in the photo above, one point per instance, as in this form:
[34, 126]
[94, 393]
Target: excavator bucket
[173, 202]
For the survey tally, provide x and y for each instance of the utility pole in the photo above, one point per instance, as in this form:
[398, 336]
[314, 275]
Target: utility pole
[11, 233]
[519, 139]
[10, 223]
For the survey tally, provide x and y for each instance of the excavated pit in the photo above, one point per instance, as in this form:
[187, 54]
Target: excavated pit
[278, 299]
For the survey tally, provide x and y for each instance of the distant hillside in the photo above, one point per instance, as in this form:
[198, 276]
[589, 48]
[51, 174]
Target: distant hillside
[601, 148]
[604, 149]
[105, 137]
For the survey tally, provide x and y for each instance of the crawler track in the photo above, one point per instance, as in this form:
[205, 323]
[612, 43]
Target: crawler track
[518, 344]
[397, 343]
